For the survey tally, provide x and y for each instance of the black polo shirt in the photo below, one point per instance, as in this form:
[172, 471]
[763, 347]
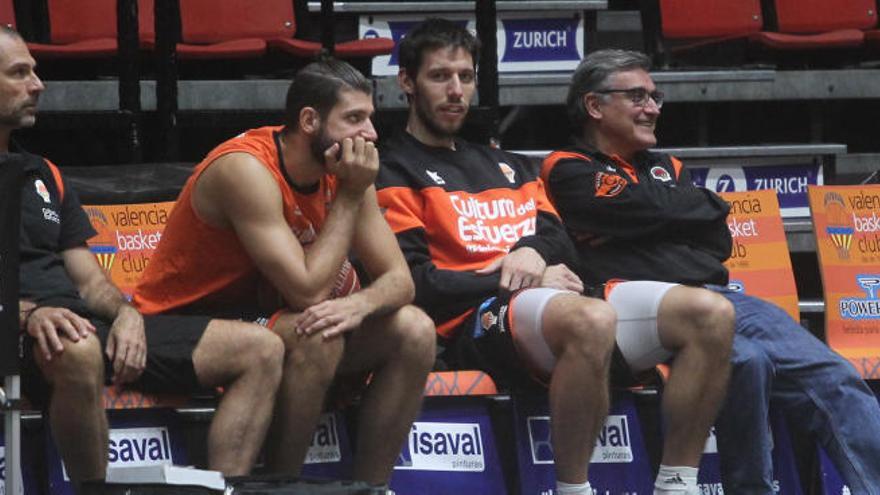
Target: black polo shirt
[49, 226]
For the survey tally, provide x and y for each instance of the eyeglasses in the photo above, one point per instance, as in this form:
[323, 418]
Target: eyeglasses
[638, 96]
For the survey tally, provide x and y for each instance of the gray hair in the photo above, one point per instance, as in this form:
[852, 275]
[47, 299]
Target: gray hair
[592, 73]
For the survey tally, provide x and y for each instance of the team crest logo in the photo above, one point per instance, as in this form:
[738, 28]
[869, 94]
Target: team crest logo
[661, 174]
[106, 255]
[42, 190]
[488, 319]
[608, 185]
[508, 172]
[839, 224]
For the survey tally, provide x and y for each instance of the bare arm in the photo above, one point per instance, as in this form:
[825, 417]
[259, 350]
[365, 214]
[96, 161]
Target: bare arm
[377, 248]
[126, 344]
[100, 295]
[238, 192]
[391, 288]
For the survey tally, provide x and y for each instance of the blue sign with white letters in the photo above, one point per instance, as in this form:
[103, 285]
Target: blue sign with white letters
[785, 475]
[138, 437]
[532, 40]
[329, 455]
[527, 41]
[28, 465]
[832, 482]
[619, 464]
[789, 181]
[450, 449]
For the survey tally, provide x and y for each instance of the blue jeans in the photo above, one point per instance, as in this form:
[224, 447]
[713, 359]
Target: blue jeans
[777, 361]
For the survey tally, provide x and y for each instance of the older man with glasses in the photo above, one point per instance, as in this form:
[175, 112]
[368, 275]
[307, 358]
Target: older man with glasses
[636, 215]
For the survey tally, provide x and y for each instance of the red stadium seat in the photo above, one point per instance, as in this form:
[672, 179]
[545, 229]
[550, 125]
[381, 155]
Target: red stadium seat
[224, 29]
[231, 29]
[709, 19]
[80, 29]
[686, 28]
[85, 31]
[7, 13]
[819, 24]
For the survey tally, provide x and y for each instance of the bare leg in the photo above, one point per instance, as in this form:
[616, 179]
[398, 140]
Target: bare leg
[580, 333]
[246, 360]
[76, 411]
[309, 367]
[698, 324]
[399, 349]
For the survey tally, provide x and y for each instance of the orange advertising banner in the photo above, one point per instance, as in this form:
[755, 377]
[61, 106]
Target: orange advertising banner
[846, 222]
[127, 237]
[759, 262]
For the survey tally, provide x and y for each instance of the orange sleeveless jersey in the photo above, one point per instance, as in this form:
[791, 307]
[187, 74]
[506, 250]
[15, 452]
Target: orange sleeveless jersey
[197, 263]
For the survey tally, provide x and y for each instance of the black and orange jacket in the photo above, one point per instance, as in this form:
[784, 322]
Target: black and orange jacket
[456, 211]
[52, 221]
[639, 221]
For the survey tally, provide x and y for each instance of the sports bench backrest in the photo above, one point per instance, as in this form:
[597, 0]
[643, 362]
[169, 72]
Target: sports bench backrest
[214, 21]
[127, 237]
[680, 19]
[71, 21]
[760, 264]
[846, 223]
[816, 16]
[7, 13]
[123, 247]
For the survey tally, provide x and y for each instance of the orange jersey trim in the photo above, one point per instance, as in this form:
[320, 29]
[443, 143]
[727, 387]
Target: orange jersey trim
[59, 183]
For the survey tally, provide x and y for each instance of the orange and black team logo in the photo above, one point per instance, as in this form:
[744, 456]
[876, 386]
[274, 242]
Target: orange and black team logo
[609, 185]
[840, 226]
[487, 319]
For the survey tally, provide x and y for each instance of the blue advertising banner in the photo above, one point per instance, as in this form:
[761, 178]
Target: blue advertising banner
[832, 483]
[790, 182]
[619, 465]
[29, 458]
[785, 475]
[329, 456]
[142, 437]
[450, 449]
[527, 41]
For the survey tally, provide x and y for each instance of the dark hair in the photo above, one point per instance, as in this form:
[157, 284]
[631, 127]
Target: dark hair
[318, 85]
[593, 72]
[432, 34]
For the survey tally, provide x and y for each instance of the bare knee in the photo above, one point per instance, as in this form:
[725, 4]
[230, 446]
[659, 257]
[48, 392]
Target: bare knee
[414, 338]
[79, 367]
[713, 316]
[310, 354]
[586, 327]
[264, 355]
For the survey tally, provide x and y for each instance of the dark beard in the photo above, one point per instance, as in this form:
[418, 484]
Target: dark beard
[320, 144]
[429, 123]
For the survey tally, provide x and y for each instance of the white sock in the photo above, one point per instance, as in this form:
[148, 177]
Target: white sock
[563, 488]
[676, 480]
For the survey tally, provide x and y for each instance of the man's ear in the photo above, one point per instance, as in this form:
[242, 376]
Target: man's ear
[309, 120]
[406, 83]
[592, 105]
